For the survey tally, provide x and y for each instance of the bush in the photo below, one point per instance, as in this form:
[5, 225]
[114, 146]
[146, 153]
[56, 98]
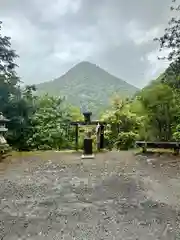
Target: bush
[122, 128]
[4, 150]
[125, 140]
[176, 135]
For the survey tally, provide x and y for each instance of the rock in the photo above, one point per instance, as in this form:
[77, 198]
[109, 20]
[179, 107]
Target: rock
[151, 161]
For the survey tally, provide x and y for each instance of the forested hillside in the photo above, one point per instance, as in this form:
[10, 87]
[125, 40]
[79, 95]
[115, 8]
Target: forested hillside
[86, 84]
[42, 122]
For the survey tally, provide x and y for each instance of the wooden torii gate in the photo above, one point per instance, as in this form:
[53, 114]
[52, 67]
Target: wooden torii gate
[87, 139]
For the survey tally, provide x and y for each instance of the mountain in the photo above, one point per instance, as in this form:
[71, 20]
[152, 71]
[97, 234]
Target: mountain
[86, 84]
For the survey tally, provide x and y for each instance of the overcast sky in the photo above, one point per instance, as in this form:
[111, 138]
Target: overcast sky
[51, 36]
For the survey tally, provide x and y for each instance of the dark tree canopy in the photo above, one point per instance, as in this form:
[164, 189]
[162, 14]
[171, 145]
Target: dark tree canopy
[7, 56]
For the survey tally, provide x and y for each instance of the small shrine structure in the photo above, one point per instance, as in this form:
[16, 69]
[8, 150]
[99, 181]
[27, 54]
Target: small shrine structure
[87, 149]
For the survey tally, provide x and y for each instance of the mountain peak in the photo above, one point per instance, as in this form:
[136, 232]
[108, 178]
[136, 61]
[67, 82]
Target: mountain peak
[88, 84]
[85, 64]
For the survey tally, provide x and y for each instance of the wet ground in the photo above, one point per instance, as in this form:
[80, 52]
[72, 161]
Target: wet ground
[114, 196]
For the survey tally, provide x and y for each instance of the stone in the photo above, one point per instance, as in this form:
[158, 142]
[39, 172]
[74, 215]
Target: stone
[87, 156]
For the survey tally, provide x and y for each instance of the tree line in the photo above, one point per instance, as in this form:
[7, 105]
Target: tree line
[43, 122]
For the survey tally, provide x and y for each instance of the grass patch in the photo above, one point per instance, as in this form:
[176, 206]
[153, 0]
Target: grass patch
[39, 153]
[16, 156]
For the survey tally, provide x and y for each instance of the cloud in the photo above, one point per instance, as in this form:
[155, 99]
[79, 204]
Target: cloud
[52, 36]
[155, 67]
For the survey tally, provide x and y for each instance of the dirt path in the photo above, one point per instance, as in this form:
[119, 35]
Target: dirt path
[114, 196]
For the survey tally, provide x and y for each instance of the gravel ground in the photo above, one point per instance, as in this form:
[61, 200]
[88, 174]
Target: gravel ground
[115, 196]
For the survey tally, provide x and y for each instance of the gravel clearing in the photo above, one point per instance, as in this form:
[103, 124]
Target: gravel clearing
[117, 195]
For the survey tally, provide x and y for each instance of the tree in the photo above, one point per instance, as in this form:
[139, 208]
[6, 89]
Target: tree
[20, 110]
[7, 56]
[171, 38]
[50, 123]
[159, 101]
[171, 41]
[123, 125]
[16, 104]
[8, 76]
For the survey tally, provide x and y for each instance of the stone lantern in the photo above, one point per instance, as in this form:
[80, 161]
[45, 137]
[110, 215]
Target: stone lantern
[87, 138]
[87, 117]
[88, 148]
[3, 128]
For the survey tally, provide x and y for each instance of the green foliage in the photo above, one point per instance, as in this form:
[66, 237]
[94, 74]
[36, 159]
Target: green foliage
[4, 150]
[160, 104]
[161, 99]
[7, 56]
[126, 140]
[49, 124]
[20, 110]
[171, 41]
[8, 77]
[176, 134]
[75, 113]
[14, 102]
[123, 126]
[171, 76]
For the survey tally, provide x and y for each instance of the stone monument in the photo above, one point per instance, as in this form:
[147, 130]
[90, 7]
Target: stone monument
[88, 152]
